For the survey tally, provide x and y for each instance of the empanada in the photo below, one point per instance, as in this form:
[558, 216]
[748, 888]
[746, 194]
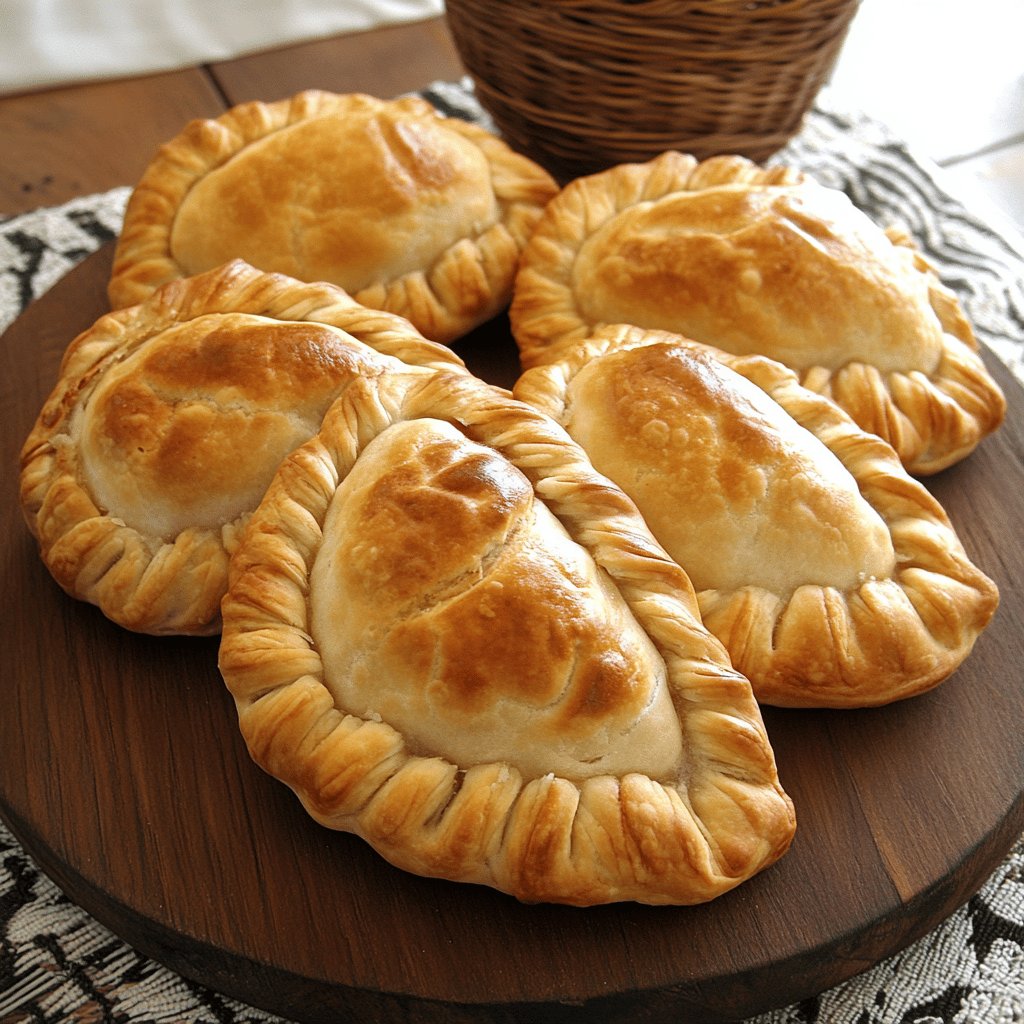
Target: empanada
[763, 261]
[833, 578]
[408, 211]
[450, 636]
[168, 421]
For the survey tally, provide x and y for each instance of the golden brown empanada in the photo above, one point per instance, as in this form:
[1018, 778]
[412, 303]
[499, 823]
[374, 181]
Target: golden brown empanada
[763, 261]
[833, 578]
[452, 637]
[408, 211]
[168, 421]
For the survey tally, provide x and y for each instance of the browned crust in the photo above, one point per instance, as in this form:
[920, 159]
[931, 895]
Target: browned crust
[143, 582]
[932, 419]
[467, 285]
[540, 839]
[884, 640]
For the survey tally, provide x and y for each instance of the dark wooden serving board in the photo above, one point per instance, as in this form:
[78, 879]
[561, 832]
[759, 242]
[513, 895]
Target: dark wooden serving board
[122, 772]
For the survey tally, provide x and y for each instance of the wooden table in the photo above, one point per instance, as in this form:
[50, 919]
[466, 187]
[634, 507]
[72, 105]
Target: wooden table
[68, 142]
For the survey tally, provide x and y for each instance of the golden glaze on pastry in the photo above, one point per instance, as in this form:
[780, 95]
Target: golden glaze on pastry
[406, 210]
[451, 637]
[457, 668]
[832, 577]
[167, 423]
[763, 261]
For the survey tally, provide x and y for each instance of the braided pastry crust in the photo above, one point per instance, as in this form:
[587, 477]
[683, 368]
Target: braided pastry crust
[167, 422]
[450, 636]
[408, 211]
[831, 575]
[763, 261]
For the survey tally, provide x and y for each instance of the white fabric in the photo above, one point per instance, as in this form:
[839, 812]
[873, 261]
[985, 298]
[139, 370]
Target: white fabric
[58, 42]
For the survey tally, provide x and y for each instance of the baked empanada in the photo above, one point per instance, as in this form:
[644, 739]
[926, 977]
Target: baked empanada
[833, 578]
[408, 211]
[763, 261]
[450, 636]
[168, 421]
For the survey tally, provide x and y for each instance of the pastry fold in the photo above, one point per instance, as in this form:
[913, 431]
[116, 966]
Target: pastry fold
[408, 211]
[832, 577]
[763, 261]
[167, 422]
[450, 636]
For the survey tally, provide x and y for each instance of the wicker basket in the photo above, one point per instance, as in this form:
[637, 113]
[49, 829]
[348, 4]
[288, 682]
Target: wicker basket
[581, 85]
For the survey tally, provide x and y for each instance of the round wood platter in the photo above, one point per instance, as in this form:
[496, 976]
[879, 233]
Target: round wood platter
[122, 772]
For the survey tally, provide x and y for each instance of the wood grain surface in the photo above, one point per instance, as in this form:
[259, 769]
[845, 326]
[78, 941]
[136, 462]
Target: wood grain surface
[70, 142]
[123, 773]
[388, 61]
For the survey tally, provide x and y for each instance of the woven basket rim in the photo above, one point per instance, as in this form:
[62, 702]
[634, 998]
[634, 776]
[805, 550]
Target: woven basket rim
[568, 80]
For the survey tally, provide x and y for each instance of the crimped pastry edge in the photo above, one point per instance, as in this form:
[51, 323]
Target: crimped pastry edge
[931, 420]
[133, 578]
[469, 284]
[545, 839]
[888, 639]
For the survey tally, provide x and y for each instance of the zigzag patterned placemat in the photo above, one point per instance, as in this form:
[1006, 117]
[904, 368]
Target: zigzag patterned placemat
[59, 964]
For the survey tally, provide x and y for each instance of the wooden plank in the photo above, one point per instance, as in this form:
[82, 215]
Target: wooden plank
[74, 141]
[385, 62]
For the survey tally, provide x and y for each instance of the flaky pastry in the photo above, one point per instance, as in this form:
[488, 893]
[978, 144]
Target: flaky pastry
[408, 211]
[168, 421]
[450, 636]
[763, 261]
[833, 577]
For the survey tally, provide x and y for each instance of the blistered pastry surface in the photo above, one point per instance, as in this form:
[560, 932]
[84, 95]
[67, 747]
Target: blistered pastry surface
[832, 577]
[736, 490]
[451, 603]
[170, 417]
[187, 431]
[793, 272]
[311, 199]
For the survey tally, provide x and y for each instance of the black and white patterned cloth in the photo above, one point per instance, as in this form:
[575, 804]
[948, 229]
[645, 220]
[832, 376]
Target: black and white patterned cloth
[58, 964]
